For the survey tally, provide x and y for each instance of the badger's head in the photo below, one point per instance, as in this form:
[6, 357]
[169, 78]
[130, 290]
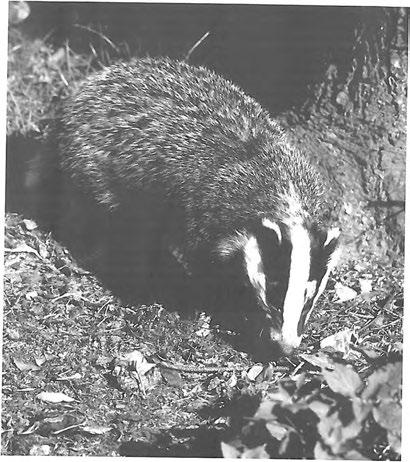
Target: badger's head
[288, 266]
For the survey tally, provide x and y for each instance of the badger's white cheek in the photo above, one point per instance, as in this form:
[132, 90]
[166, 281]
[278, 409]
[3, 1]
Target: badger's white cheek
[254, 267]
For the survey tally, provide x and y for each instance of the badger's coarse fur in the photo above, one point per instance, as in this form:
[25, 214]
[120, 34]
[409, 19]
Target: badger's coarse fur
[221, 178]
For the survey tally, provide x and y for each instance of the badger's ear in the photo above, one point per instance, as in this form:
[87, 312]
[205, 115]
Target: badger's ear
[267, 223]
[332, 238]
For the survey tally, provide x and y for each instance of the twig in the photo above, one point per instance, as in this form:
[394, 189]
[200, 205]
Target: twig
[196, 45]
[207, 369]
[89, 29]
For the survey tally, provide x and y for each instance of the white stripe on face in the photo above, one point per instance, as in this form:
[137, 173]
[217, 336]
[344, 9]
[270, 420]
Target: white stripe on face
[254, 267]
[298, 278]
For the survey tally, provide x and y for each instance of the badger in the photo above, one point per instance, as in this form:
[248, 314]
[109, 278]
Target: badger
[203, 168]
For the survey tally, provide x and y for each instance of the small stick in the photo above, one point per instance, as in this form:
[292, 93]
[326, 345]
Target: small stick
[208, 369]
[196, 45]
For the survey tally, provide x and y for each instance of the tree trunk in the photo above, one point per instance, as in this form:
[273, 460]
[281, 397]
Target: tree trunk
[354, 127]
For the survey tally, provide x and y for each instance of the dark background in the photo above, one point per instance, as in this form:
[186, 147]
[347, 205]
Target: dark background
[273, 52]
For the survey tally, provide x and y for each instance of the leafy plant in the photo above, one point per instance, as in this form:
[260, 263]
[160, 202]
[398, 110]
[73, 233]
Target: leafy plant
[333, 414]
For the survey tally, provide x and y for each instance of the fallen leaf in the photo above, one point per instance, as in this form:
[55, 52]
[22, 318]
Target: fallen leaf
[318, 359]
[23, 248]
[43, 450]
[254, 371]
[75, 376]
[173, 378]
[51, 397]
[339, 341]
[365, 286]
[232, 381]
[25, 366]
[344, 293]
[30, 224]
[204, 322]
[42, 250]
[12, 334]
[40, 361]
[95, 430]
[138, 362]
[31, 295]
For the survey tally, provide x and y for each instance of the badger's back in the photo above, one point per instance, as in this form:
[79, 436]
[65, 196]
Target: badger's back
[190, 135]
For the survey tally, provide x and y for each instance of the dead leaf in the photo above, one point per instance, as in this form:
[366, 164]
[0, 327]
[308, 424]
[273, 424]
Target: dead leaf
[40, 450]
[204, 322]
[30, 224]
[138, 362]
[95, 430]
[173, 378]
[25, 366]
[344, 293]
[75, 376]
[31, 295]
[319, 359]
[339, 341]
[12, 334]
[23, 248]
[40, 361]
[42, 250]
[232, 381]
[365, 286]
[254, 371]
[52, 397]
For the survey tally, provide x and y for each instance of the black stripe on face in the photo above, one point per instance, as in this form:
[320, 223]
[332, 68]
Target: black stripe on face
[320, 254]
[306, 309]
[320, 259]
[276, 263]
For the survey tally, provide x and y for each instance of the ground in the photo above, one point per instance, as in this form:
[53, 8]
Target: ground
[86, 374]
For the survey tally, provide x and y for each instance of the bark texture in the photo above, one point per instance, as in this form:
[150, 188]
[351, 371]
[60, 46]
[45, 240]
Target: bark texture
[354, 126]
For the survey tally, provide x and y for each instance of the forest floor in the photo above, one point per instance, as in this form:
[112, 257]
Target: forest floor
[86, 374]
